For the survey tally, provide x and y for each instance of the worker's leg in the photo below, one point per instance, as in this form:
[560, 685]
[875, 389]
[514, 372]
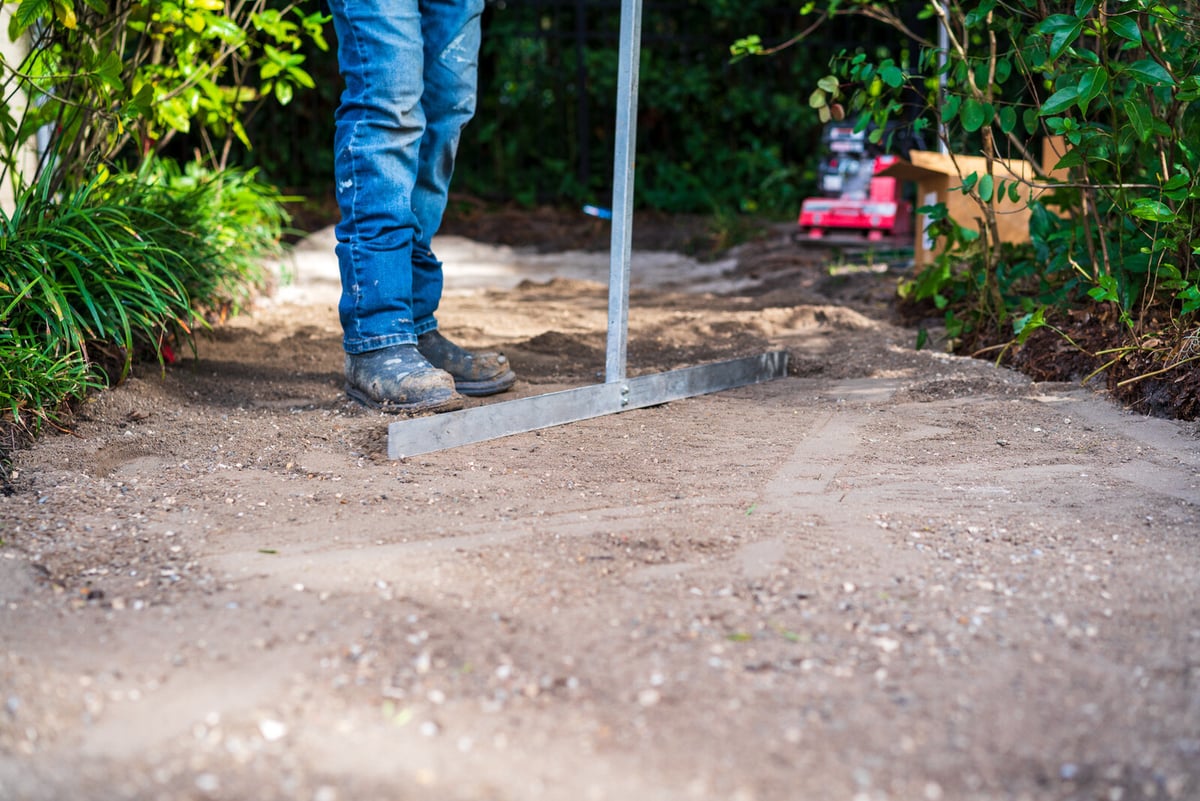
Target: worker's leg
[380, 126]
[451, 33]
[377, 142]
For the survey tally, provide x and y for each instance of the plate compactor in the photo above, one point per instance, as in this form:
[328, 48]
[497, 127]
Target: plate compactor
[857, 205]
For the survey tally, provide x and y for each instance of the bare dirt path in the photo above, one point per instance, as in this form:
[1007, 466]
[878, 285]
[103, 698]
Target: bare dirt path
[892, 575]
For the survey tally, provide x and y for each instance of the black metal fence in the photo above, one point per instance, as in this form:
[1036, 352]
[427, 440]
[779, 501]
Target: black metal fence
[712, 134]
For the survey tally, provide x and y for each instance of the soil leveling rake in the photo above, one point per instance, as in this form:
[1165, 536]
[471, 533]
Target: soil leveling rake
[617, 393]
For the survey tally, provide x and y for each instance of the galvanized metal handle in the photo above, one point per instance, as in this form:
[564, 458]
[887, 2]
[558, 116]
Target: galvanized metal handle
[621, 249]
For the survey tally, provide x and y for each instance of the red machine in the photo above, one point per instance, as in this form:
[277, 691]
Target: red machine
[856, 205]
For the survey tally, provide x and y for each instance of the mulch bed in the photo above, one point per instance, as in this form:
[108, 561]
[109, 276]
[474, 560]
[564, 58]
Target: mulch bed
[1154, 378]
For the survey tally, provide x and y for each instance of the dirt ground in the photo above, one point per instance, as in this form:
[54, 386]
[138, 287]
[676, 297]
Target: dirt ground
[893, 574]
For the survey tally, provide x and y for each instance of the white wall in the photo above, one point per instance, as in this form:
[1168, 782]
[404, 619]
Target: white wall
[13, 52]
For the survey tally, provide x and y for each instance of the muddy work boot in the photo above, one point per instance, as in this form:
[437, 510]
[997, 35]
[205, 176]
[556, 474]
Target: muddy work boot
[399, 379]
[474, 373]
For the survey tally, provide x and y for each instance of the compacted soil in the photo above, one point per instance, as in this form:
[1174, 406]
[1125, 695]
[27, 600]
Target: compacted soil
[893, 574]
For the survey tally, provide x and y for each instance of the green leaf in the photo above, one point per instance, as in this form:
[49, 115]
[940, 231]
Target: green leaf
[1177, 181]
[1190, 298]
[1126, 27]
[1003, 70]
[1063, 30]
[27, 13]
[1152, 210]
[1164, 14]
[986, 185]
[301, 78]
[1026, 324]
[1060, 101]
[174, 113]
[892, 75]
[196, 21]
[950, 107]
[1057, 23]
[973, 115]
[110, 72]
[979, 13]
[1169, 271]
[829, 84]
[227, 31]
[1072, 158]
[1029, 118]
[1008, 119]
[1139, 118]
[1149, 73]
[1091, 83]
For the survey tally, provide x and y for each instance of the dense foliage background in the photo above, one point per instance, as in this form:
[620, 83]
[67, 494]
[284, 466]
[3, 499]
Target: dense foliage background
[714, 136]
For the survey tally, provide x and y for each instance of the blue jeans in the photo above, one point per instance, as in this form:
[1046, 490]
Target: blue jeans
[410, 70]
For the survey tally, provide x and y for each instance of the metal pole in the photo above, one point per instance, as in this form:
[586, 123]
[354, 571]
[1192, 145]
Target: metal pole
[623, 166]
[943, 51]
[617, 394]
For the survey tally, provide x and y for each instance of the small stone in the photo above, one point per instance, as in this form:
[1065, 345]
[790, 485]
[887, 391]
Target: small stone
[649, 697]
[886, 644]
[272, 730]
[208, 783]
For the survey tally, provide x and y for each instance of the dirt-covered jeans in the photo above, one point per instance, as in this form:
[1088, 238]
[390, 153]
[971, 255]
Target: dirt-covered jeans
[410, 71]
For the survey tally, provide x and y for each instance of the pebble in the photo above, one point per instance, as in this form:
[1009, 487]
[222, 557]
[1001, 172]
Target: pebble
[272, 730]
[208, 783]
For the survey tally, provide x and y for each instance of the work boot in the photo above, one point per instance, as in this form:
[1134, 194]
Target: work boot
[399, 379]
[474, 373]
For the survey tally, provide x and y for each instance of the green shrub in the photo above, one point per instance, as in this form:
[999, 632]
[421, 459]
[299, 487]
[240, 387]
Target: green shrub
[226, 222]
[125, 263]
[120, 79]
[1119, 81]
[35, 383]
[82, 270]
